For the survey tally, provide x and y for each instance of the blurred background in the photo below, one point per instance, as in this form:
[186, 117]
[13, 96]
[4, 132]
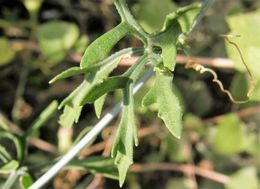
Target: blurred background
[219, 148]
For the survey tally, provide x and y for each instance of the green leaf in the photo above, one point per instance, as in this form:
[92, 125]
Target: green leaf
[122, 149]
[70, 115]
[101, 165]
[145, 10]
[45, 115]
[167, 41]
[93, 68]
[181, 14]
[6, 53]
[75, 101]
[68, 73]
[9, 167]
[251, 146]
[249, 42]
[169, 107]
[81, 44]
[244, 178]
[100, 102]
[169, 51]
[256, 93]
[98, 105]
[126, 135]
[239, 86]
[99, 49]
[187, 16]
[26, 181]
[106, 86]
[72, 110]
[175, 24]
[56, 38]
[92, 79]
[230, 137]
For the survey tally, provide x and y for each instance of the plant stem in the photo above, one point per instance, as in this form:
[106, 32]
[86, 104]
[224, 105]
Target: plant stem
[185, 168]
[11, 180]
[86, 139]
[27, 58]
[126, 16]
[20, 89]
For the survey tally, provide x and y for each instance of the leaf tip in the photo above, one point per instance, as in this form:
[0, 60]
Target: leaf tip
[54, 79]
[121, 184]
[60, 106]
[178, 136]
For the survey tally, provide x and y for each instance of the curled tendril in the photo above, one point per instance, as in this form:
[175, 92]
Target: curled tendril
[227, 38]
[201, 69]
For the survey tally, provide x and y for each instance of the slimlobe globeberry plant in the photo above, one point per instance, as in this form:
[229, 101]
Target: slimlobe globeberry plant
[159, 48]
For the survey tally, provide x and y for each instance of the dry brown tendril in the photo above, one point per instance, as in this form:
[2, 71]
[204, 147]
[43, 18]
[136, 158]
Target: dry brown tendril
[192, 64]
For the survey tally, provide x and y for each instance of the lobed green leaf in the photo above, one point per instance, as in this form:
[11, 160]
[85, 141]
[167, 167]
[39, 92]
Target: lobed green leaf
[167, 41]
[9, 167]
[75, 101]
[106, 86]
[76, 98]
[169, 53]
[175, 24]
[122, 149]
[99, 49]
[126, 135]
[169, 107]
